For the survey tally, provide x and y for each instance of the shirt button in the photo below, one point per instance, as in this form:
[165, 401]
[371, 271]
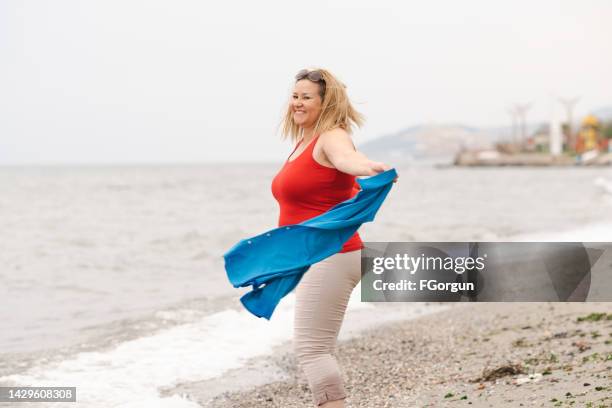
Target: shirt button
[248, 242]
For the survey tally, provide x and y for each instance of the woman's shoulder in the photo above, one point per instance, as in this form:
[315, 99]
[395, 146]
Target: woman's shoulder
[335, 142]
[335, 132]
[335, 135]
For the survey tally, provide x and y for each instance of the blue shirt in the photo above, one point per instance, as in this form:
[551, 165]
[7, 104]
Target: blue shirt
[274, 262]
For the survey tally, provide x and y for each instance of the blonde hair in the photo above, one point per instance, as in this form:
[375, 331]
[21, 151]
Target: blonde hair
[336, 109]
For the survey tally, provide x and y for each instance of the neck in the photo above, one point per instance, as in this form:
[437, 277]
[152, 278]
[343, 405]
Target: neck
[307, 134]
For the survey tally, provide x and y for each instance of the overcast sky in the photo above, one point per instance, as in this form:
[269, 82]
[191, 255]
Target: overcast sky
[194, 81]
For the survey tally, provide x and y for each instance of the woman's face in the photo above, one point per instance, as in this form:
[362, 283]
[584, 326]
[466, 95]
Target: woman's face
[305, 103]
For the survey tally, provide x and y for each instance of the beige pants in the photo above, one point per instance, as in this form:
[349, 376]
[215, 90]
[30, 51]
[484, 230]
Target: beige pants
[321, 299]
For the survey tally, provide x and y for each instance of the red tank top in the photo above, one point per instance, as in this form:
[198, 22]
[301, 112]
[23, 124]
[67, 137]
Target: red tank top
[305, 189]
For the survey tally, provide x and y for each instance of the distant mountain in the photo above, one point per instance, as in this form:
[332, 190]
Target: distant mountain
[437, 143]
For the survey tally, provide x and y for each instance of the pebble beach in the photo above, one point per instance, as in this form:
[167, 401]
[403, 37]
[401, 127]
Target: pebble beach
[477, 355]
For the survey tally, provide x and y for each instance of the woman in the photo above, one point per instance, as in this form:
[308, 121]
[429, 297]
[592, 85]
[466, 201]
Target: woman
[318, 174]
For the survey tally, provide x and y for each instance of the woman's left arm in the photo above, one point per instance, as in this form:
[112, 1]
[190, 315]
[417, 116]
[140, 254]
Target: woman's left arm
[338, 147]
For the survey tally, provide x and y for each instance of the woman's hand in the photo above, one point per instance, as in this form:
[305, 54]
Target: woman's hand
[379, 167]
[376, 167]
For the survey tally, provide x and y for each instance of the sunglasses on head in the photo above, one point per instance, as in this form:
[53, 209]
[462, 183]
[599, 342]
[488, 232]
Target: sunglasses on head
[314, 76]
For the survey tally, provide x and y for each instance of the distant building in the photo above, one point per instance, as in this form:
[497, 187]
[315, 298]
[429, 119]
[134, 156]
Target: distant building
[540, 140]
[590, 137]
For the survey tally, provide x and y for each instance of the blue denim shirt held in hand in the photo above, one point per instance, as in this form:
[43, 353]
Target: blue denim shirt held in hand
[274, 262]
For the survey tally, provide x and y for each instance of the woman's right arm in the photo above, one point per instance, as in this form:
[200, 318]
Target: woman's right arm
[338, 147]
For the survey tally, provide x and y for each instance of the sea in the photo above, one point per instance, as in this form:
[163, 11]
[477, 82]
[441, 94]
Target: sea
[112, 277]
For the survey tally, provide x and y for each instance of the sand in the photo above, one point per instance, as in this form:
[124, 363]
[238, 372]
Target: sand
[477, 355]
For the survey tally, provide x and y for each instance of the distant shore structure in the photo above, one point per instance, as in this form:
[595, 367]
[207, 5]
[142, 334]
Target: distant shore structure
[554, 144]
